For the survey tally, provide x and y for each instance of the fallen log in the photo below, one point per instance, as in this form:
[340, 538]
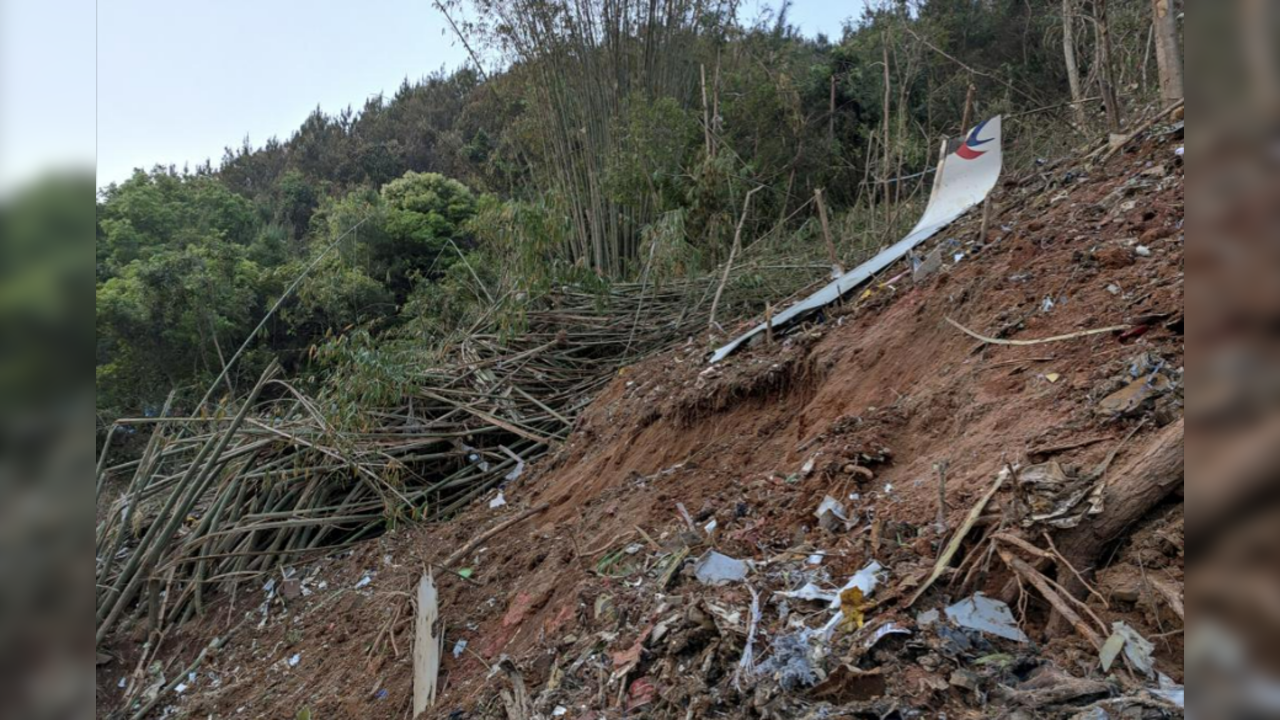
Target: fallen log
[1135, 489]
[1141, 484]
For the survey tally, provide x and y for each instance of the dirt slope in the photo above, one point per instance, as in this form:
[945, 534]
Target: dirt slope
[594, 601]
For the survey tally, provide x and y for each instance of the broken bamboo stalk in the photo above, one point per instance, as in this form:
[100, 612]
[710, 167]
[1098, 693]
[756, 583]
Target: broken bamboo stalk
[836, 268]
[949, 552]
[477, 540]
[1039, 341]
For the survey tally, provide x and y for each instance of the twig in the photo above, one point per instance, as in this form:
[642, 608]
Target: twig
[1038, 581]
[941, 467]
[477, 540]
[944, 559]
[1039, 341]
[733, 252]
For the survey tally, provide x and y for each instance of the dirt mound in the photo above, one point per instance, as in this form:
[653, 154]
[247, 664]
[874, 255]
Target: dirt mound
[595, 607]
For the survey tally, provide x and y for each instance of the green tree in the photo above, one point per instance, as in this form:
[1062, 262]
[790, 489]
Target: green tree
[424, 214]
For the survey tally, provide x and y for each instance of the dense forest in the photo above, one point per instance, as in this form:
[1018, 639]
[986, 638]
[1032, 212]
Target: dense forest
[618, 140]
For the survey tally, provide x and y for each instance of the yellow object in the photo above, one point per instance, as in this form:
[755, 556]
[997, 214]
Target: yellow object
[852, 605]
[1052, 377]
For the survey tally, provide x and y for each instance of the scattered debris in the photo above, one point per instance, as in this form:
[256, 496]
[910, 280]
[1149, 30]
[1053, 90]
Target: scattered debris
[498, 501]
[1170, 691]
[979, 612]
[746, 666]
[883, 631]
[810, 591]
[715, 568]
[865, 581]
[831, 514]
[1136, 648]
[795, 661]
[927, 618]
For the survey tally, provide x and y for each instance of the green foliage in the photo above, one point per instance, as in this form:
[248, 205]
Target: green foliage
[422, 229]
[44, 280]
[585, 161]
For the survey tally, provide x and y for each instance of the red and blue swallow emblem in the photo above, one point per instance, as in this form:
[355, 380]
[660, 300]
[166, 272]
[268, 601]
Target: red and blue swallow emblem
[968, 149]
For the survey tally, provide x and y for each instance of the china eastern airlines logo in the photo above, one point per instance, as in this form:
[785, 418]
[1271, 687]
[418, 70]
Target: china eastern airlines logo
[968, 150]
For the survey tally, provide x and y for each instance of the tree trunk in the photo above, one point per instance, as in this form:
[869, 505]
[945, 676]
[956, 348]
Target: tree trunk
[1069, 54]
[888, 148]
[831, 113]
[1137, 487]
[1168, 55]
[1106, 75]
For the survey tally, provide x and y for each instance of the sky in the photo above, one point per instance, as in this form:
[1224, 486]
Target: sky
[46, 88]
[178, 82]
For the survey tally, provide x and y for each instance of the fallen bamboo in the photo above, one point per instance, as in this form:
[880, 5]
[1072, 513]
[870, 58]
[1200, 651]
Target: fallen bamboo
[1040, 341]
[482, 537]
[949, 552]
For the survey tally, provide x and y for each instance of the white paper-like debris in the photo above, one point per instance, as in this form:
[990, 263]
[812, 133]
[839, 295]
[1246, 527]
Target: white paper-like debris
[831, 514]
[459, 648]
[865, 580]
[518, 470]
[368, 578]
[883, 631]
[560, 711]
[1143, 251]
[747, 665]
[180, 688]
[981, 613]
[1171, 691]
[1137, 648]
[498, 501]
[811, 591]
[122, 683]
[710, 527]
[814, 559]
[958, 256]
[1179, 152]
[927, 618]
[718, 569]
[295, 659]
[807, 469]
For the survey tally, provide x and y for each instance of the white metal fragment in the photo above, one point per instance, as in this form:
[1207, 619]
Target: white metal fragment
[716, 568]
[979, 612]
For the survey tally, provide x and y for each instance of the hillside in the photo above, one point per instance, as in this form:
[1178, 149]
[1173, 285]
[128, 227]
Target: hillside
[589, 604]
